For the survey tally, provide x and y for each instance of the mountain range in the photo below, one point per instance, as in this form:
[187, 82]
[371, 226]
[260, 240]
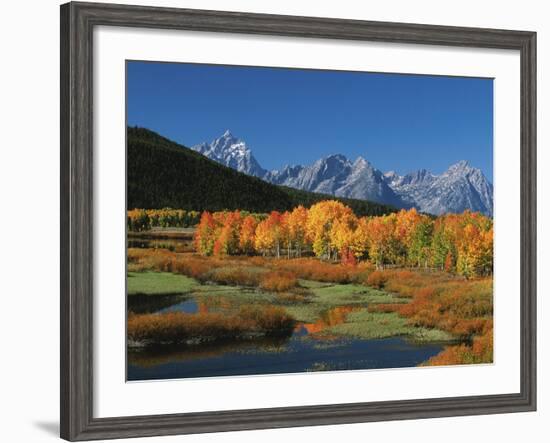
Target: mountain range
[459, 188]
[164, 174]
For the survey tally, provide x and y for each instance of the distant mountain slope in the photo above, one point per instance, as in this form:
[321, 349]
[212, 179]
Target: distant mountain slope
[336, 175]
[161, 173]
[461, 187]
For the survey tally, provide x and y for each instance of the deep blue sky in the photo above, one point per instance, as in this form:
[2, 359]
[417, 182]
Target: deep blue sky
[290, 116]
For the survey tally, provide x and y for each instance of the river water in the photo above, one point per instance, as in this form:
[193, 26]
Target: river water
[303, 351]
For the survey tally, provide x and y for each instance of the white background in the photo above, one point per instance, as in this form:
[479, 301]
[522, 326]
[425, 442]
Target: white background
[29, 251]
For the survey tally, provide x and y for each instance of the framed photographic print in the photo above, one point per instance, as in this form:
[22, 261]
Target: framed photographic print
[292, 221]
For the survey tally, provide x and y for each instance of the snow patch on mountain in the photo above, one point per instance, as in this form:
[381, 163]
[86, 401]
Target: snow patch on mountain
[459, 188]
[233, 152]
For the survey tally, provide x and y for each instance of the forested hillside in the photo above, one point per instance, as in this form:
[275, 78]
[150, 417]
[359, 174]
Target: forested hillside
[161, 173]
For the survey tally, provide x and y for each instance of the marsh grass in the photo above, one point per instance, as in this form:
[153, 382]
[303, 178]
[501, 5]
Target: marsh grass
[289, 298]
[439, 301]
[178, 327]
[232, 272]
[367, 325]
[161, 283]
[325, 296]
[424, 305]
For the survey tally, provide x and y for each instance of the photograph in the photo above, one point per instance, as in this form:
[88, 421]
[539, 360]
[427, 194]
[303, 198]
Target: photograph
[284, 220]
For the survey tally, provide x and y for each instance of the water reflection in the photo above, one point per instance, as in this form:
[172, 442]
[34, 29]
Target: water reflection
[160, 303]
[174, 245]
[330, 317]
[300, 352]
[187, 306]
[167, 354]
[296, 354]
[148, 304]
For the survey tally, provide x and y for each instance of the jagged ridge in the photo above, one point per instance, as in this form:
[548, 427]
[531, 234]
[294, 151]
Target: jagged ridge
[459, 188]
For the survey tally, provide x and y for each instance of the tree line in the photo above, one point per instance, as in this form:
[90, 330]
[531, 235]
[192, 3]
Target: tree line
[457, 243]
[145, 219]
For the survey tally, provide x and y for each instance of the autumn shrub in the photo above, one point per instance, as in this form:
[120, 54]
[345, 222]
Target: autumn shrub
[278, 281]
[151, 259]
[234, 276]
[452, 355]
[439, 300]
[176, 327]
[404, 275]
[266, 318]
[255, 261]
[307, 268]
[482, 346]
[216, 270]
[135, 254]
[180, 327]
[404, 281]
[479, 351]
[201, 268]
[360, 272]
[194, 267]
[311, 269]
[377, 279]
[136, 267]
[463, 308]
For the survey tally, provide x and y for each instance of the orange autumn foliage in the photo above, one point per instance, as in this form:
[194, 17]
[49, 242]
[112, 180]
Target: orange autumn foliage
[179, 327]
[461, 307]
[377, 279]
[278, 281]
[456, 243]
[247, 234]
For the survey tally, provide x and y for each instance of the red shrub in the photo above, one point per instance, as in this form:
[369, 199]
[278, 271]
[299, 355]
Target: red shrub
[151, 259]
[317, 270]
[193, 267]
[278, 281]
[377, 279]
[179, 327]
[234, 276]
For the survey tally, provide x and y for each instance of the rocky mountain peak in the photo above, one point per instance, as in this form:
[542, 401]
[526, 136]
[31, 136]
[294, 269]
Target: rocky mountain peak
[233, 152]
[459, 188]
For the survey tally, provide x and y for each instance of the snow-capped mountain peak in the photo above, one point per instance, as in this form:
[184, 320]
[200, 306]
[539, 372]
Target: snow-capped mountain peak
[361, 163]
[233, 152]
[461, 167]
[459, 188]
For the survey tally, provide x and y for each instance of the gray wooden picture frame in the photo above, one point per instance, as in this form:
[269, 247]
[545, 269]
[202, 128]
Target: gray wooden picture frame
[77, 23]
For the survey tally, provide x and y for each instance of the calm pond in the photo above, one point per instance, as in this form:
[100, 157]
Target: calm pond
[303, 351]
